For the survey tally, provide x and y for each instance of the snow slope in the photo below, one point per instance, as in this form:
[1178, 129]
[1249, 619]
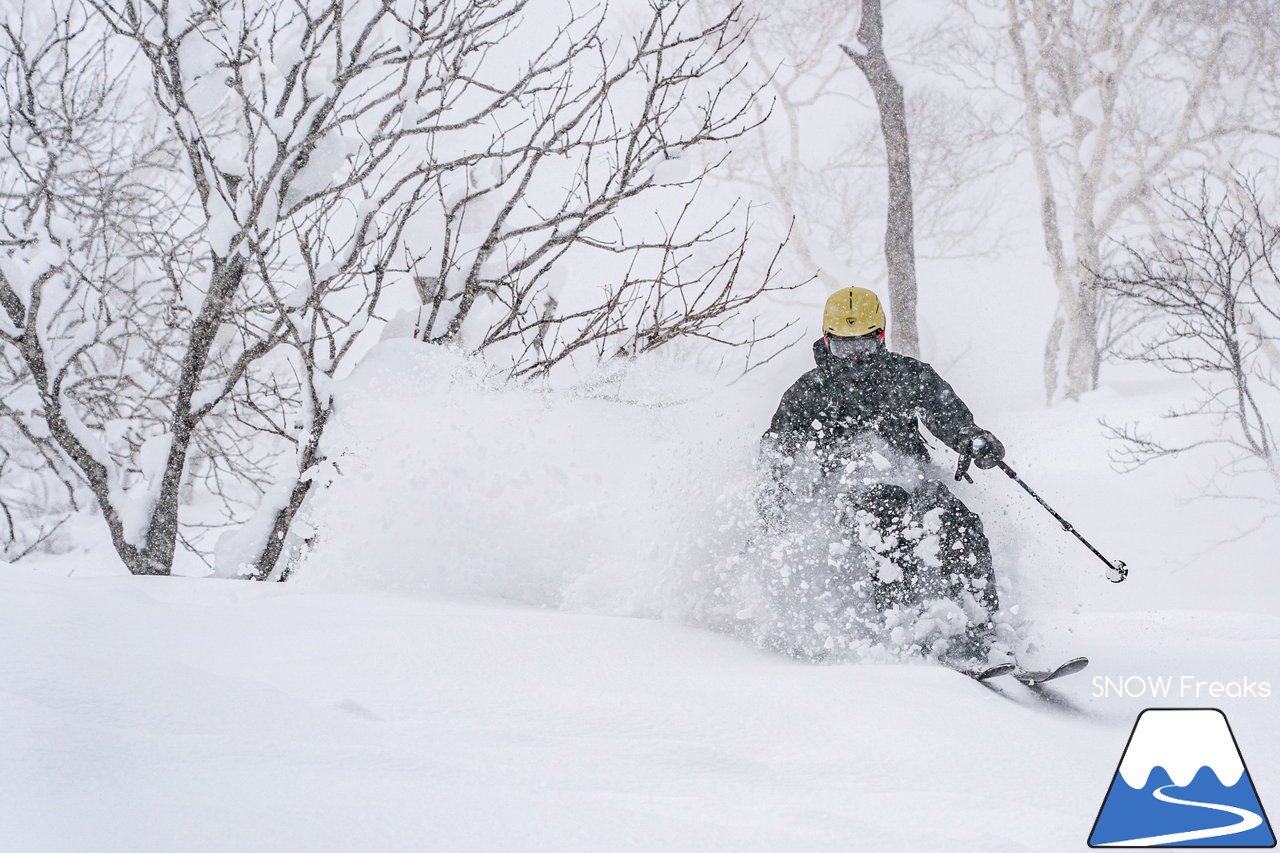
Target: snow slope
[162, 714]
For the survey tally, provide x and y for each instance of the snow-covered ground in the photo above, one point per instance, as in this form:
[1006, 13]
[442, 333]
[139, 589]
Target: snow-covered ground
[184, 714]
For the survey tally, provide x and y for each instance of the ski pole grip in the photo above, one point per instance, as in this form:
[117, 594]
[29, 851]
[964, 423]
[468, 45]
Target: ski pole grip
[962, 468]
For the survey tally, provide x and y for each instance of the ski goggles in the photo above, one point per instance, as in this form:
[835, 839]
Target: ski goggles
[861, 345]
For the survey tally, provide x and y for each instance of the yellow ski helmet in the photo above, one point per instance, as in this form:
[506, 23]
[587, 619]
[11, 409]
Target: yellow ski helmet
[852, 312]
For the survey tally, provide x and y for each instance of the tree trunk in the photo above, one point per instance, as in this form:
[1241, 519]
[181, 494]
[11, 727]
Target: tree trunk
[1075, 330]
[1077, 296]
[899, 236]
[274, 546]
[1065, 326]
[162, 529]
[1082, 343]
[1052, 353]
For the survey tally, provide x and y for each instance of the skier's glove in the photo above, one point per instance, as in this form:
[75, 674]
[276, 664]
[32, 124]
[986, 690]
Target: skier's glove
[986, 449]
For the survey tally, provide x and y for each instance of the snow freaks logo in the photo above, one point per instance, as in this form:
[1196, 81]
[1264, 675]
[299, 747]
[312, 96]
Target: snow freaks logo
[1185, 687]
[1181, 783]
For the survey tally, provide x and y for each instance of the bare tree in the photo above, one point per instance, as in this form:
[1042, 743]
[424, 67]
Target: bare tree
[1120, 95]
[1210, 284]
[85, 351]
[629, 124]
[306, 158]
[817, 160]
[37, 491]
[899, 235]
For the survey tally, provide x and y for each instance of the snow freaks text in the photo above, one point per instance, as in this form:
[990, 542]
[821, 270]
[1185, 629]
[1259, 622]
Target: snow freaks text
[1177, 687]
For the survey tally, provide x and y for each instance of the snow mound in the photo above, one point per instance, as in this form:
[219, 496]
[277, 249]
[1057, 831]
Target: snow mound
[452, 483]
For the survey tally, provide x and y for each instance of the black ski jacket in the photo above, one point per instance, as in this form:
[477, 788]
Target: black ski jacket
[883, 393]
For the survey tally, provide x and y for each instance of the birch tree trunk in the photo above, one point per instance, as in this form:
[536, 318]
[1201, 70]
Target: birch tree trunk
[1106, 124]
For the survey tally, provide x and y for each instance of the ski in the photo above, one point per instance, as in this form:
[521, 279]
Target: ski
[1034, 677]
[989, 672]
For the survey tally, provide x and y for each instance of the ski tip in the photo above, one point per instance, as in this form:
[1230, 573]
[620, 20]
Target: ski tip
[1034, 678]
[991, 671]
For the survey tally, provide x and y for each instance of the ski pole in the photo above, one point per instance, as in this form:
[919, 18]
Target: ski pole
[1117, 566]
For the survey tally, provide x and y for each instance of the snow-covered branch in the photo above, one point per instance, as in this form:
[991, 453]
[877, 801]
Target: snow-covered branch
[225, 194]
[1210, 290]
[1118, 98]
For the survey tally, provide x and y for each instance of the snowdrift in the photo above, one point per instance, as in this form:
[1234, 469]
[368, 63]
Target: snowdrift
[447, 482]
[155, 714]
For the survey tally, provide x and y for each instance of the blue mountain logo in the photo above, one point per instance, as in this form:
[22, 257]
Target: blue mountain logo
[1182, 782]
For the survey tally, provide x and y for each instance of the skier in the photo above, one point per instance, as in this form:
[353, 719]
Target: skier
[863, 400]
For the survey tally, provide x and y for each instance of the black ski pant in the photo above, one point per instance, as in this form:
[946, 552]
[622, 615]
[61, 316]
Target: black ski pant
[903, 529]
